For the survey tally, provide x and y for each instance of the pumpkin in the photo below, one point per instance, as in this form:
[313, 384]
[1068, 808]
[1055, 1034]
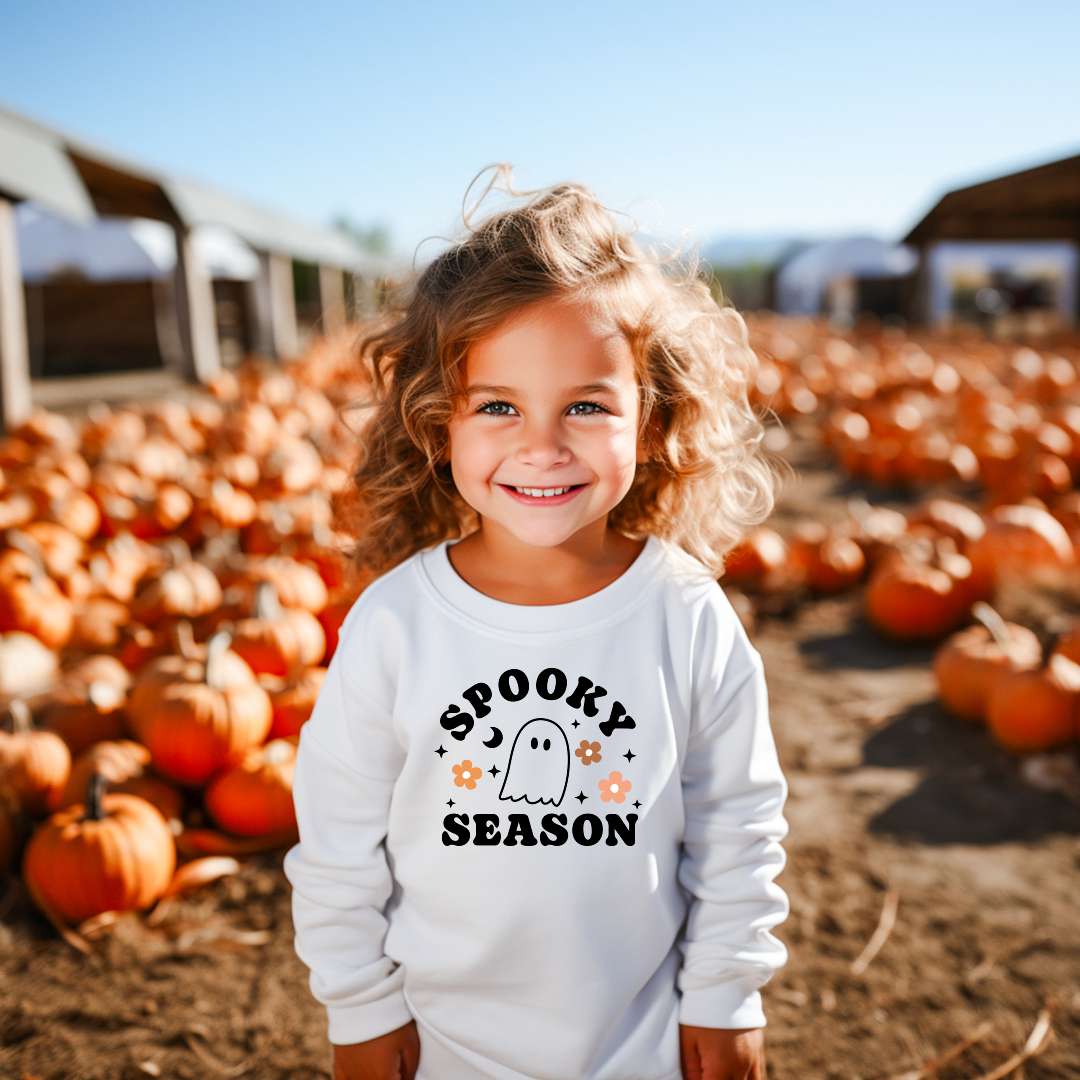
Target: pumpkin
[278, 641]
[139, 644]
[761, 554]
[919, 596]
[1021, 541]
[99, 622]
[121, 565]
[331, 618]
[254, 796]
[169, 509]
[115, 759]
[195, 710]
[297, 585]
[112, 853]
[61, 550]
[1030, 711]
[36, 764]
[26, 665]
[92, 696]
[231, 507]
[968, 662]
[30, 600]
[188, 589]
[293, 703]
[829, 561]
[293, 465]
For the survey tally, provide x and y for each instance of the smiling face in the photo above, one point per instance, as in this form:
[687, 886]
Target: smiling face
[546, 441]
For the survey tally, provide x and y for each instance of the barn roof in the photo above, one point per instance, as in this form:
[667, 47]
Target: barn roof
[70, 176]
[34, 165]
[1036, 204]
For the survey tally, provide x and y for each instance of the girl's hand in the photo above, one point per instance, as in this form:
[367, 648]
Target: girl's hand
[722, 1053]
[393, 1056]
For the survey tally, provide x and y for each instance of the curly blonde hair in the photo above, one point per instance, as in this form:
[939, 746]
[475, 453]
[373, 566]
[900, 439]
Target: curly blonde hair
[705, 480]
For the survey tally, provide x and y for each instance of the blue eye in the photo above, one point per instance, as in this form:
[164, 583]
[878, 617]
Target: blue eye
[586, 408]
[497, 408]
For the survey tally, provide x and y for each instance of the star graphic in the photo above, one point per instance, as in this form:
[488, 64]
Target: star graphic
[637, 805]
[581, 796]
[440, 751]
[494, 770]
[576, 723]
[450, 803]
[629, 755]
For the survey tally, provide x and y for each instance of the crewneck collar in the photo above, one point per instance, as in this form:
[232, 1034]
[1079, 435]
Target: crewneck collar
[609, 605]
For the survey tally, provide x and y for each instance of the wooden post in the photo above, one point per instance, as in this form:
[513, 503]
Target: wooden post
[260, 310]
[332, 299]
[283, 306]
[14, 345]
[197, 314]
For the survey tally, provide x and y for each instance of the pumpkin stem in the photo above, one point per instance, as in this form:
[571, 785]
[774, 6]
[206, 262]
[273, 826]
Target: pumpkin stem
[184, 640]
[267, 604]
[216, 648]
[992, 621]
[21, 719]
[95, 789]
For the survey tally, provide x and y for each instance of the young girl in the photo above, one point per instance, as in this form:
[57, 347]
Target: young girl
[539, 801]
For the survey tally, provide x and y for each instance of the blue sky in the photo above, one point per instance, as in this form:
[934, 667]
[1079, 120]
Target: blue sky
[728, 119]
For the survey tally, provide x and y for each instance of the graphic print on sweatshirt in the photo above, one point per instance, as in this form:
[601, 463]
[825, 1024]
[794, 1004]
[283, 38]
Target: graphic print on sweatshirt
[532, 768]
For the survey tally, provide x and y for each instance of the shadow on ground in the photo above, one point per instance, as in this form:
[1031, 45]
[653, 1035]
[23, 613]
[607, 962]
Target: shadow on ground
[864, 648]
[971, 791]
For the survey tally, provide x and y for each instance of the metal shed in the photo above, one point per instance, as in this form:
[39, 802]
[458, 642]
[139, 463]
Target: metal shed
[1039, 204]
[68, 176]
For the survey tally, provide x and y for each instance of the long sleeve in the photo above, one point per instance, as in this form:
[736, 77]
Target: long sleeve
[734, 794]
[348, 761]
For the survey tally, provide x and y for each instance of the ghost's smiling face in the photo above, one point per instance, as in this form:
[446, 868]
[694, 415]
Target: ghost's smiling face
[539, 764]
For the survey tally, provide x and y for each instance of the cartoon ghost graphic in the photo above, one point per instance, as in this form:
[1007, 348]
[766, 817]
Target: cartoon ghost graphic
[539, 764]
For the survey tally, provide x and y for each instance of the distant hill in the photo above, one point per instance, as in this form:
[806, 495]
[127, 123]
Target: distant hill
[737, 251]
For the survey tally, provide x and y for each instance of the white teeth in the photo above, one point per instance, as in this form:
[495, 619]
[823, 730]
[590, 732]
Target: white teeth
[541, 493]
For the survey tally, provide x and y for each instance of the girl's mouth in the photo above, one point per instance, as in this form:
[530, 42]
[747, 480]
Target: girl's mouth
[549, 496]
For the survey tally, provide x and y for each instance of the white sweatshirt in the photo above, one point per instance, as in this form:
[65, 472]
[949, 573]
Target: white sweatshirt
[548, 834]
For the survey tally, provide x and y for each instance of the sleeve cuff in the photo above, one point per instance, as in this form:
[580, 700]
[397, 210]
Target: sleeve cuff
[727, 1006]
[358, 1023]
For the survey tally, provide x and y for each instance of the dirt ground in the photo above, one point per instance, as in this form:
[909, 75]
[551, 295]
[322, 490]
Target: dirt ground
[889, 796]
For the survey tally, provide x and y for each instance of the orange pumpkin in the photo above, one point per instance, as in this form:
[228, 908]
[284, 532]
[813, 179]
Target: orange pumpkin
[918, 597]
[187, 590]
[967, 663]
[113, 853]
[278, 641]
[99, 622]
[254, 797]
[31, 601]
[330, 618]
[1029, 711]
[116, 759]
[35, 764]
[829, 561]
[293, 703]
[194, 711]
[761, 554]
[297, 585]
[1022, 541]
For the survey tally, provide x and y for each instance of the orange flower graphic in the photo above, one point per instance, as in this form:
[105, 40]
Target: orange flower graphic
[466, 774]
[588, 752]
[614, 788]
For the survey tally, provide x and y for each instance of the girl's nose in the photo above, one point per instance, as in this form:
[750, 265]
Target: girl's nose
[542, 447]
